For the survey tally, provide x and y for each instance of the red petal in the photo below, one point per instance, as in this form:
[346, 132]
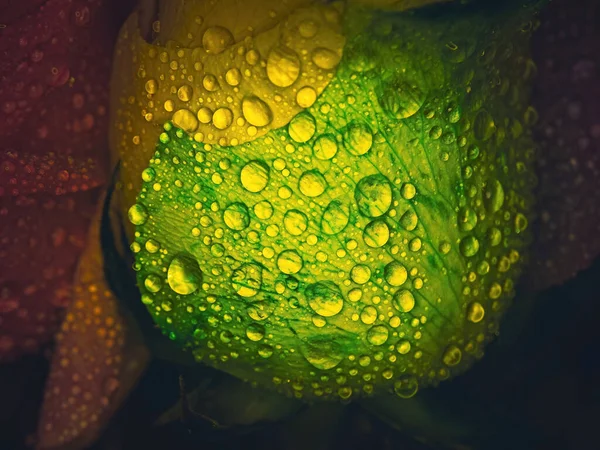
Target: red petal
[567, 96]
[41, 238]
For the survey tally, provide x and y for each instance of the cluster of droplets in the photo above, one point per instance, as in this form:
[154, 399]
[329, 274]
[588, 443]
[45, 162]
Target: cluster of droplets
[372, 242]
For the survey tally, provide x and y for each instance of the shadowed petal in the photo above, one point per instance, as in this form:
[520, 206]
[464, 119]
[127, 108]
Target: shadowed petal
[99, 357]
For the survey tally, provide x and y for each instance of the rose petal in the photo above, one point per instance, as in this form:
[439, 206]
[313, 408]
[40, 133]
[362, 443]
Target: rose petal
[41, 238]
[567, 96]
[99, 356]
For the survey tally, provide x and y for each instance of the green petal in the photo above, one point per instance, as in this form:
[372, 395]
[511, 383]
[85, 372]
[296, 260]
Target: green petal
[373, 243]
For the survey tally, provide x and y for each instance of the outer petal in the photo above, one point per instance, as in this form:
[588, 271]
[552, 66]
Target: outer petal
[567, 97]
[97, 360]
[54, 69]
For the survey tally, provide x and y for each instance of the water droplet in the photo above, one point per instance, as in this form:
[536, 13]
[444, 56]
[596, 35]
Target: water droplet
[233, 76]
[323, 352]
[373, 195]
[325, 298]
[395, 274]
[368, 315]
[236, 216]
[295, 222]
[151, 86]
[153, 283]
[403, 347]
[222, 118]
[469, 246]
[289, 262]
[246, 280]
[205, 115]
[452, 355]
[377, 335]
[401, 101]
[137, 214]
[360, 274]
[255, 332]
[358, 138]
[283, 66]
[475, 312]
[263, 210]
[520, 223]
[184, 275]
[306, 97]
[148, 174]
[255, 176]
[404, 300]
[467, 219]
[186, 120]
[185, 92]
[406, 386]
[335, 217]
[265, 351]
[325, 58]
[312, 183]
[409, 220]
[216, 39]
[325, 147]
[256, 112]
[308, 28]
[408, 191]
[302, 127]
[376, 234]
[210, 83]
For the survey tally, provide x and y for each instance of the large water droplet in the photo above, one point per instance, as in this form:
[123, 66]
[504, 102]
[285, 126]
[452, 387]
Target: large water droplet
[153, 283]
[373, 195]
[469, 246]
[404, 300]
[222, 118]
[401, 101]
[295, 222]
[137, 214]
[184, 275]
[216, 39]
[467, 219]
[358, 138]
[452, 355]
[186, 120]
[395, 274]
[323, 352]
[289, 262]
[475, 312]
[247, 279]
[377, 335]
[256, 112]
[312, 183]
[376, 234]
[368, 315]
[283, 66]
[255, 332]
[406, 386]
[409, 220]
[302, 127]
[325, 58]
[325, 147]
[254, 176]
[325, 298]
[236, 216]
[335, 217]
[360, 274]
